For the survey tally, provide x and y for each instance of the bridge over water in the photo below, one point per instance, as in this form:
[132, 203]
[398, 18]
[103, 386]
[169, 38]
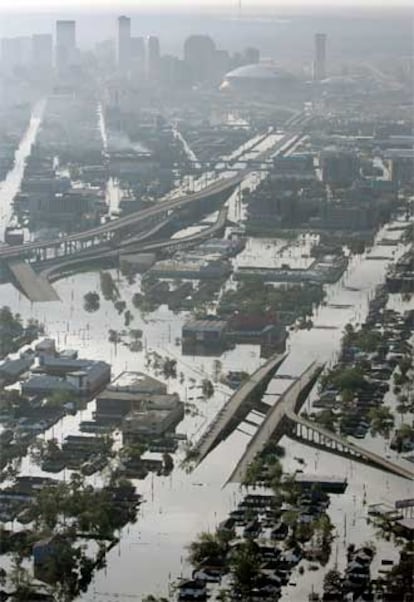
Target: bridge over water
[247, 397]
[108, 239]
[66, 266]
[96, 236]
[280, 419]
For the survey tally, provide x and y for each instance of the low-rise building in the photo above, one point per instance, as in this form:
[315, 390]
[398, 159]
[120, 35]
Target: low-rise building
[12, 369]
[257, 330]
[208, 335]
[81, 377]
[45, 347]
[153, 421]
[193, 267]
[115, 405]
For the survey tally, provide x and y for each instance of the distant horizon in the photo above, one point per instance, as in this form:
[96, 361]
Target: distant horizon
[228, 28]
[249, 7]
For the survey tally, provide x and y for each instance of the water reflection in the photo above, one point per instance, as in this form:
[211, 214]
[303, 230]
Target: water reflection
[179, 506]
[11, 185]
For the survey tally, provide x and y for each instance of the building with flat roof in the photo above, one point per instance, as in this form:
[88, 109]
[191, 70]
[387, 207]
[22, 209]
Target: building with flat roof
[339, 168]
[153, 58]
[137, 382]
[191, 267]
[319, 64]
[124, 43]
[200, 57]
[115, 405]
[208, 335]
[151, 422]
[65, 45]
[78, 376]
[42, 52]
[11, 369]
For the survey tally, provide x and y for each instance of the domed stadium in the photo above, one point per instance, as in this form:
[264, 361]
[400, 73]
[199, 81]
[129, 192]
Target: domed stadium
[260, 78]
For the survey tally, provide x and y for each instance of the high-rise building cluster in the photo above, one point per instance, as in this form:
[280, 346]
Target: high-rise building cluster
[135, 53]
[38, 51]
[137, 56]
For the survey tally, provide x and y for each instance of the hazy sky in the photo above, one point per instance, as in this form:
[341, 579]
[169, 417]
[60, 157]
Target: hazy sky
[192, 5]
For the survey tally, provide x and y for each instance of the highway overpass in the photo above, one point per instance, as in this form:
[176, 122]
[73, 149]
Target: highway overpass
[95, 236]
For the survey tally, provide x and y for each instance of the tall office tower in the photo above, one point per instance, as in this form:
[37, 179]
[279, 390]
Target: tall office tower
[65, 45]
[200, 57]
[15, 53]
[42, 51]
[124, 43]
[251, 55]
[138, 56]
[153, 54]
[138, 49]
[319, 65]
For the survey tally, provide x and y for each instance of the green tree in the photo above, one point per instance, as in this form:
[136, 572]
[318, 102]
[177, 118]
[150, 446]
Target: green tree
[244, 567]
[206, 545]
[327, 419]
[169, 368]
[207, 388]
[332, 579]
[91, 302]
[108, 286]
[382, 421]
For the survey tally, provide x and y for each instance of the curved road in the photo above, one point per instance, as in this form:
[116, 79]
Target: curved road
[220, 186]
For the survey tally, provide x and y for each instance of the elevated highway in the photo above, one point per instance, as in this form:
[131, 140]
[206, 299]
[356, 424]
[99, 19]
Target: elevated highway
[36, 287]
[103, 233]
[114, 230]
[308, 432]
[282, 419]
[238, 406]
[274, 425]
[65, 266]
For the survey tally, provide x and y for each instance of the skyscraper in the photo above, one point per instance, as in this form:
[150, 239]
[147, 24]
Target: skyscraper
[153, 55]
[138, 49]
[200, 57]
[138, 56]
[42, 51]
[65, 45]
[124, 43]
[319, 65]
[15, 53]
[10, 54]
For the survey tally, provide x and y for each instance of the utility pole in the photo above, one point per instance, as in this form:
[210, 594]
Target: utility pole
[240, 9]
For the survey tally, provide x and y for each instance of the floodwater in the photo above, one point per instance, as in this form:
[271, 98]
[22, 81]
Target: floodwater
[276, 253]
[152, 552]
[11, 185]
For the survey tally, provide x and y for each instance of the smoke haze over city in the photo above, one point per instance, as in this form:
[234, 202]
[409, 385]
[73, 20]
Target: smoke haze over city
[206, 301]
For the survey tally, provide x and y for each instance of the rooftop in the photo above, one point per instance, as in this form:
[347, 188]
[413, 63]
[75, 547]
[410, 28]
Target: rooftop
[205, 325]
[259, 71]
[135, 382]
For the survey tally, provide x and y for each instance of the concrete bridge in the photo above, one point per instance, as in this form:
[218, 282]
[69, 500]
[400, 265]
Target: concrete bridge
[240, 404]
[274, 425]
[107, 240]
[282, 418]
[308, 432]
[62, 267]
[135, 222]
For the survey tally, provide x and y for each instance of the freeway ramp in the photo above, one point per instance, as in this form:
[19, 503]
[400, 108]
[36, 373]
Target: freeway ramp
[274, 425]
[35, 287]
[239, 406]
